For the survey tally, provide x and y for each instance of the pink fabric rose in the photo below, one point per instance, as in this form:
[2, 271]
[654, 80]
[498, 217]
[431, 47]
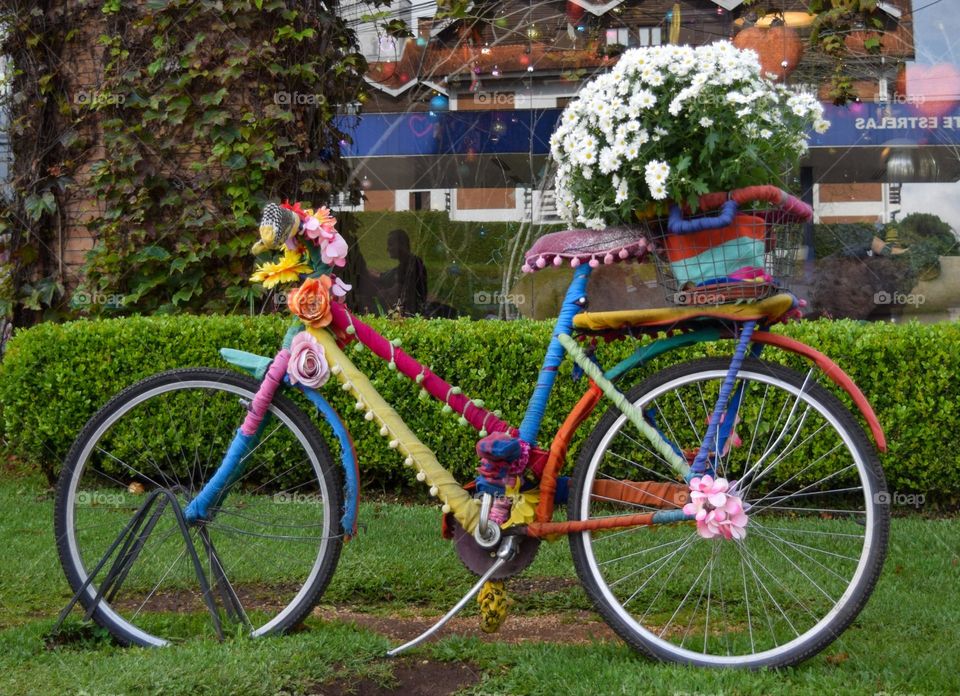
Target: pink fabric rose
[334, 252]
[320, 226]
[308, 364]
[716, 510]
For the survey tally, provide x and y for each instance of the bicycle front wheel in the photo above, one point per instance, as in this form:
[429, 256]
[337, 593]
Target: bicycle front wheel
[817, 521]
[269, 549]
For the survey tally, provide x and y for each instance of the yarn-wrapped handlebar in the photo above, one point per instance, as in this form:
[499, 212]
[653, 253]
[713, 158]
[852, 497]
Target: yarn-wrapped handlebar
[788, 208]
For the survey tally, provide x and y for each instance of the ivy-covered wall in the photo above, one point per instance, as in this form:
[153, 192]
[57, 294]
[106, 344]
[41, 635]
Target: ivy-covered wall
[146, 136]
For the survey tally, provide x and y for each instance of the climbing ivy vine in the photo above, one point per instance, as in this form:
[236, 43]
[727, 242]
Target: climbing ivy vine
[202, 110]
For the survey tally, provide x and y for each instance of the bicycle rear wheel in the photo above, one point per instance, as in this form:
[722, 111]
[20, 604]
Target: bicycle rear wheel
[273, 542]
[816, 536]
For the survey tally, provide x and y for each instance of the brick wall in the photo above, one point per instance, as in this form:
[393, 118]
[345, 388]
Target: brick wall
[379, 200]
[485, 198]
[83, 60]
[841, 193]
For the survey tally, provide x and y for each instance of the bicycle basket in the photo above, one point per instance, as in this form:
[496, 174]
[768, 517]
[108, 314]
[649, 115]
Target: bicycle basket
[734, 256]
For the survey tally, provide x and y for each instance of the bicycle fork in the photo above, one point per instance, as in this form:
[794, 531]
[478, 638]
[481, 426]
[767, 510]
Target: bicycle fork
[243, 443]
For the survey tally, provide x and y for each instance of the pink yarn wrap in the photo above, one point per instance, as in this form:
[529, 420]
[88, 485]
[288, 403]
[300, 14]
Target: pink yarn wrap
[500, 510]
[261, 402]
[479, 418]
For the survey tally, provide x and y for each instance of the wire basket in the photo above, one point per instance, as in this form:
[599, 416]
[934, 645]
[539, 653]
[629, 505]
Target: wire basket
[750, 259]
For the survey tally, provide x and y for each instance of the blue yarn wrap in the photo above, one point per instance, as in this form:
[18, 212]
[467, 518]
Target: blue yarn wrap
[677, 225]
[699, 465]
[227, 472]
[530, 427]
[670, 516]
[559, 496]
[351, 484]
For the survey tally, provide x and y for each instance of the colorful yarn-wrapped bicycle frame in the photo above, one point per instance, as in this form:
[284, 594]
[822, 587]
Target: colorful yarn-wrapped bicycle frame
[455, 499]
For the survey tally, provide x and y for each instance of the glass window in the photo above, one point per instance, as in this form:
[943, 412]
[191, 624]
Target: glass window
[618, 36]
[452, 149]
[648, 36]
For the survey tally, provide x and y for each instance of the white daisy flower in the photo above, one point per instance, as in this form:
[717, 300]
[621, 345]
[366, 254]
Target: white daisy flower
[596, 223]
[623, 192]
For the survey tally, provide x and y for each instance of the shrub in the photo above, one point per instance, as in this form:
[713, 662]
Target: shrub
[55, 376]
[845, 239]
[464, 259]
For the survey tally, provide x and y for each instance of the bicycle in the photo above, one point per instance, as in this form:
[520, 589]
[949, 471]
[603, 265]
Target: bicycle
[723, 511]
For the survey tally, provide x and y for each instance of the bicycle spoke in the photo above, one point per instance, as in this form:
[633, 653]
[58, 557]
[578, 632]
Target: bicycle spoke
[159, 583]
[639, 466]
[639, 553]
[807, 487]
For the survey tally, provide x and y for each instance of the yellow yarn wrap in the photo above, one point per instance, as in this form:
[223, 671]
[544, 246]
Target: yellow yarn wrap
[462, 505]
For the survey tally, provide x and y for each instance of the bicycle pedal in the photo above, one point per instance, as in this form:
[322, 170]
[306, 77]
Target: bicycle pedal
[493, 605]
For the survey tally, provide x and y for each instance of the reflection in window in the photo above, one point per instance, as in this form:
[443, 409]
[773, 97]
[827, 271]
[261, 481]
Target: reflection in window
[419, 200]
[619, 36]
[452, 148]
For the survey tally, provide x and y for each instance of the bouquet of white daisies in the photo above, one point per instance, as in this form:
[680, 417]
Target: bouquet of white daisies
[669, 123]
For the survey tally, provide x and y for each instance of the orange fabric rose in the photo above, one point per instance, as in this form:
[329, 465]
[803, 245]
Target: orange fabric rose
[311, 302]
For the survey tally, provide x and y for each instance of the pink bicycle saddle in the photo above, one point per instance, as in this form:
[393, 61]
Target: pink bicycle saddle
[587, 246]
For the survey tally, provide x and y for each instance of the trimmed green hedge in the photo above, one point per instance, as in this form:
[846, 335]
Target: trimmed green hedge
[54, 376]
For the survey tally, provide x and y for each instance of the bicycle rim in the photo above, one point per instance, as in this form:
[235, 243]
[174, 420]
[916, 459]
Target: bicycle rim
[269, 549]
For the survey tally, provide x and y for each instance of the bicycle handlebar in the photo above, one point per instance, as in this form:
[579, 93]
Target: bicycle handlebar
[788, 208]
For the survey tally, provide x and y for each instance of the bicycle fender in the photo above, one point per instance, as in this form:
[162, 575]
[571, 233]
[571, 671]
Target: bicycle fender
[834, 372]
[348, 458]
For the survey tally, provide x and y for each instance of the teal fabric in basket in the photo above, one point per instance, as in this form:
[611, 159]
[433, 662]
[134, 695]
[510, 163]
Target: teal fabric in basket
[719, 261]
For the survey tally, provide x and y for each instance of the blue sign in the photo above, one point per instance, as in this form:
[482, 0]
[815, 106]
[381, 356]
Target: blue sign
[527, 131]
[870, 124]
[515, 131]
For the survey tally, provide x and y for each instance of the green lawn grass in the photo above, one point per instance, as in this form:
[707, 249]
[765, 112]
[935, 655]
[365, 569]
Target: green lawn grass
[905, 641]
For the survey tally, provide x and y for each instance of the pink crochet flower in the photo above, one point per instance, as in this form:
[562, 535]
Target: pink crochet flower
[717, 512]
[334, 252]
[308, 363]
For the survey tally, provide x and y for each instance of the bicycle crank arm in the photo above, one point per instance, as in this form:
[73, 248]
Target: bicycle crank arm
[504, 554]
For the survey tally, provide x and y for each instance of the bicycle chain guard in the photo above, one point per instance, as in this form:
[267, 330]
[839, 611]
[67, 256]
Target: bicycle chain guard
[478, 559]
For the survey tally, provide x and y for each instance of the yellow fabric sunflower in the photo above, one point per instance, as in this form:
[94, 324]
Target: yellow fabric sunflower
[286, 270]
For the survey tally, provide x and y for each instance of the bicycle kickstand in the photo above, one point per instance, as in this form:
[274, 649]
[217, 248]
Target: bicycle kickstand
[505, 553]
[130, 542]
